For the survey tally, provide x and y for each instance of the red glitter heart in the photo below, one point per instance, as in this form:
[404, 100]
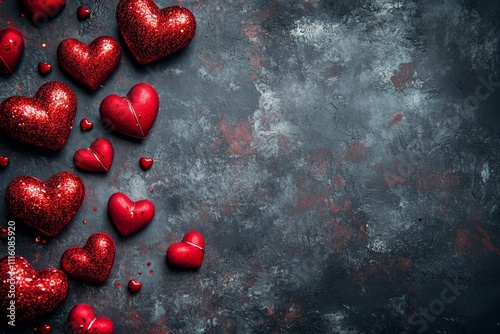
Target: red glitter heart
[4, 161]
[46, 206]
[11, 49]
[134, 286]
[96, 158]
[82, 13]
[146, 163]
[152, 33]
[133, 115]
[92, 262]
[89, 64]
[37, 292]
[44, 68]
[128, 216]
[44, 120]
[189, 252]
[83, 320]
[40, 11]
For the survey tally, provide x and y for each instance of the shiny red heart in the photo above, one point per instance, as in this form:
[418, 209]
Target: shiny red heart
[82, 13]
[146, 163]
[134, 286]
[44, 68]
[152, 33]
[83, 320]
[96, 158]
[44, 120]
[40, 11]
[4, 161]
[189, 252]
[37, 292]
[45, 206]
[133, 115]
[89, 64]
[86, 125]
[92, 262]
[11, 49]
[128, 216]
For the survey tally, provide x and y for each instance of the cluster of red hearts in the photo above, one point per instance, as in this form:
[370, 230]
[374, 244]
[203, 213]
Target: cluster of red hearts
[46, 119]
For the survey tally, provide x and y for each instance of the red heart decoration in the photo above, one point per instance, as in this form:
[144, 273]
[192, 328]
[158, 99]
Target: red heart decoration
[45, 329]
[134, 286]
[92, 262]
[146, 163]
[44, 120]
[4, 161]
[37, 292]
[89, 64]
[83, 320]
[86, 125]
[40, 11]
[46, 206]
[11, 49]
[128, 216]
[189, 252]
[82, 13]
[44, 68]
[96, 158]
[152, 33]
[133, 115]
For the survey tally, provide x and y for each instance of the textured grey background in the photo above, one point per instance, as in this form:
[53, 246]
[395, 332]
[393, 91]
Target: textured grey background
[340, 157]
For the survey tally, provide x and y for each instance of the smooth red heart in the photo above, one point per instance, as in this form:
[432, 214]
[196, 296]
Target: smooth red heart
[11, 49]
[92, 262]
[4, 161]
[89, 64]
[45, 206]
[37, 292]
[128, 216]
[44, 120]
[44, 68]
[45, 329]
[82, 13]
[96, 158]
[86, 125]
[134, 114]
[152, 33]
[83, 320]
[40, 11]
[134, 286]
[189, 252]
[146, 163]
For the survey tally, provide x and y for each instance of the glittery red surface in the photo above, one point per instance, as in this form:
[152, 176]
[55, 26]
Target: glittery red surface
[89, 64]
[129, 216]
[44, 120]
[92, 262]
[11, 49]
[46, 206]
[83, 320]
[96, 158]
[152, 33]
[37, 292]
[189, 252]
[39, 11]
[133, 115]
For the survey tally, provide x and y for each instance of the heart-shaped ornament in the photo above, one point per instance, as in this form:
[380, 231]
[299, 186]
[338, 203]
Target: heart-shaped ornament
[82, 13]
[92, 262]
[152, 33]
[44, 68]
[11, 49]
[45, 206]
[83, 320]
[40, 11]
[35, 293]
[146, 163]
[134, 286]
[189, 252]
[89, 64]
[96, 158]
[44, 120]
[128, 216]
[134, 114]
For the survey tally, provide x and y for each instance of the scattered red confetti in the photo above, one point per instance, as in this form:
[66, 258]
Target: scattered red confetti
[136, 315]
[118, 285]
[149, 263]
[151, 272]
[94, 208]
[151, 190]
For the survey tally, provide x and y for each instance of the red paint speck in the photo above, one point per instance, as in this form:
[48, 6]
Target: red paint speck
[149, 263]
[118, 285]
[398, 118]
[151, 190]
[139, 273]
[136, 315]
[403, 75]
[356, 151]
[151, 272]
[19, 88]
[94, 208]
[85, 222]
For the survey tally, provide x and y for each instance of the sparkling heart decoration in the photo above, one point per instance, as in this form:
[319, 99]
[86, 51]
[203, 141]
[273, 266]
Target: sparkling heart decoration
[128, 216]
[40, 11]
[83, 320]
[134, 286]
[96, 158]
[44, 68]
[89, 64]
[189, 252]
[11, 49]
[146, 163]
[44, 120]
[45, 206]
[134, 114]
[152, 33]
[37, 292]
[92, 262]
